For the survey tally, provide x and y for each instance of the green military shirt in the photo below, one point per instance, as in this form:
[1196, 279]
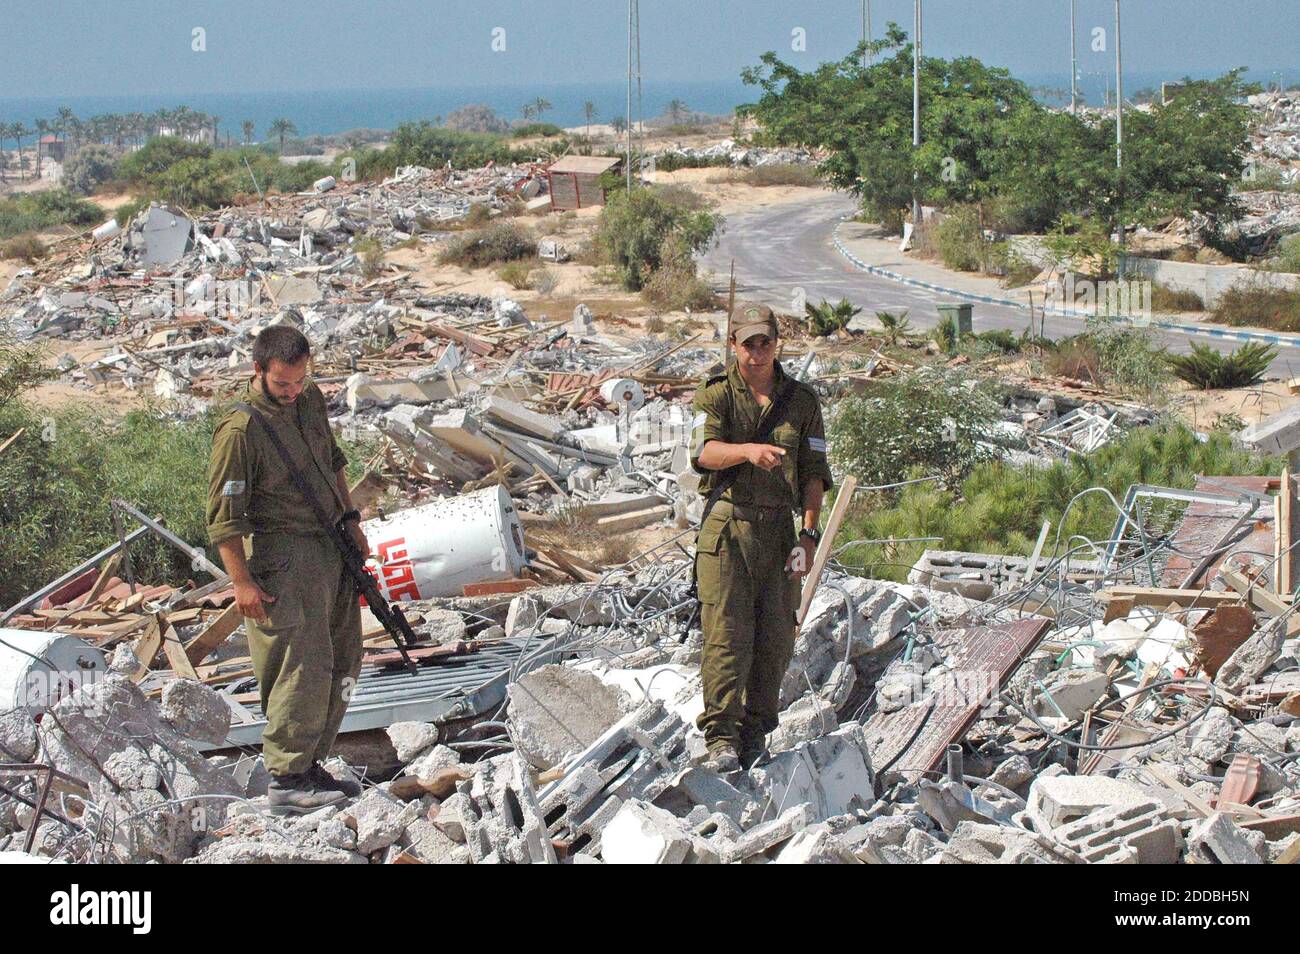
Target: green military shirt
[726, 410]
[249, 487]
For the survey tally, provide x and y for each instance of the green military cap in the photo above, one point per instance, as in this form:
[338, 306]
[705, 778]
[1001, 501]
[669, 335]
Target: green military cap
[753, 319]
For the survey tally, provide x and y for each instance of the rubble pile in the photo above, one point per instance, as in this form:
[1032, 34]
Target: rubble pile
[738, 155]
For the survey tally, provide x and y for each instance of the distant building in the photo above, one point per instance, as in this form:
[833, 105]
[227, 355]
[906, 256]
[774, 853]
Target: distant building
[51, 146]
[572, 180]
[50, 169]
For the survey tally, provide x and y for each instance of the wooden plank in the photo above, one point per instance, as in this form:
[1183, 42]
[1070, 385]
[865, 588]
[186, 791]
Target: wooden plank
[1284, 535]
[823, 554]
[174, 650]
[106, 572]
[1166, 778]
[1262, 599]
[216, 633]
[146, 648]
[1164, 595]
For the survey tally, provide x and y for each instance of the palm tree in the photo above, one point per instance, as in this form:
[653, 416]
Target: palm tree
[619, 124]
[589, 110]
[214, 122]
[5, 133]
[541, 105]
[282, 128]
[675, 110]
[526, 111]
[66, 118]
[18, 131]
[249, 128]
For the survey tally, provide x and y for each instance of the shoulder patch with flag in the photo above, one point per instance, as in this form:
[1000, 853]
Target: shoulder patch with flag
[233, 488]
[817, 444]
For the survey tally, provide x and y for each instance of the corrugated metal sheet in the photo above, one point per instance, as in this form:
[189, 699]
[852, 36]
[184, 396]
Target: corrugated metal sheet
[590, 165]
[470, 685]
[1204, 525]
[914, 739]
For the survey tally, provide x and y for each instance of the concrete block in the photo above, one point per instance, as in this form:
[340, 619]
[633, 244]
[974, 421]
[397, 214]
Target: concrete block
[519, 418]
[1135, 833]
[815, 846]
[1218, 840]
[1278, 434]
[556, 711]
[640, 834]
[410, 739]
[1070, 693]
[1054, 802]
[762, 838]
[973, 843]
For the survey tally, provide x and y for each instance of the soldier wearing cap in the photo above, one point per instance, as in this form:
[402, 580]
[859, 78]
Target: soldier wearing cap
[749, 557]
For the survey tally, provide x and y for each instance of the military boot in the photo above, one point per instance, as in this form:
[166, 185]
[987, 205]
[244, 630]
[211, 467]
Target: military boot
[298, 794]
[321, 776]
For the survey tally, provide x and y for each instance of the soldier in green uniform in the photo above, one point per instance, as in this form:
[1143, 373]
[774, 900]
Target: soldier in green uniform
[300, 608]
[749, 559]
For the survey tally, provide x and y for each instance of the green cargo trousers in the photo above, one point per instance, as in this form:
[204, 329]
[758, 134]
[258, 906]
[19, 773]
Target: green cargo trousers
[747, 610]
[307, 654]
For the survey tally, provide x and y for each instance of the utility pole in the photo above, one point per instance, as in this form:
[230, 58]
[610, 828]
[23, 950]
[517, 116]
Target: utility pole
[629, 95]
[1119, 137]
[916, 111]
[1074, 65]
[866, 31]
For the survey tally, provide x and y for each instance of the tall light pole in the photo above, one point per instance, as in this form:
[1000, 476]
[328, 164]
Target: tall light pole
[916, 110]
[629, 95]
[866, 31]
[1119, 135]
[1074, 65]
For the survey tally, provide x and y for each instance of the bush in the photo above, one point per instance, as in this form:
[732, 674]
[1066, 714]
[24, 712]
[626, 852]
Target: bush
[827, 318]
[37, 211]
[543, 281]
[940, 423]
[960, 240]
[371, 254]
[28, 248]
[1287, 256]
[782, 174]
[1208, 369]
[1164, 298]
[945, 336]
[1128, 358]
[528, 130]
[675, 285]
[476, 118]
[502, 242]
[515, 274]
[1255, 304]
[895, 326]
[636, 230]
[89, 168]
[671, 161]
[1000, 507]
[1000, 339]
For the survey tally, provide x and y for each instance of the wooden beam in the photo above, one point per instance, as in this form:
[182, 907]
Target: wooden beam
[840, 508]
[174, 650]
[147, 646]
[1163, 596]
[213, 635]
[1262, 599]
[1284, 537]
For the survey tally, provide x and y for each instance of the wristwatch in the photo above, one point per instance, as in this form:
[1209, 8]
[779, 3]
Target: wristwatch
[351, 515]
[813, 535]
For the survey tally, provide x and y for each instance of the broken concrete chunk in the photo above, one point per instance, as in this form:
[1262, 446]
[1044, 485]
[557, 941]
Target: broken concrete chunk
[556, 711]
[411, 739]
[195, 711]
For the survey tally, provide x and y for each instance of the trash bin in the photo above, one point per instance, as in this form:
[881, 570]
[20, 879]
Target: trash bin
[960, 314]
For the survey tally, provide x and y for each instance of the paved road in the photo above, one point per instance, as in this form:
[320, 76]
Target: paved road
[788, 246]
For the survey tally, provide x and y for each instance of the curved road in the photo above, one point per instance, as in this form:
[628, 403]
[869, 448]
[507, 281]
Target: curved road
[787, 246]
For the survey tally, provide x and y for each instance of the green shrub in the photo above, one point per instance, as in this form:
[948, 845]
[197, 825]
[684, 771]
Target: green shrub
[938, 422]
[1287, 256]
[1128, 358]
[90, 167]
[1000, 339]
[674, 285]
[27, 248]
[1208, 369]
[515, 274]
[37, 211]
[371, 254]
[1255, 304]
[945, 335]
[960, 240]
[501, 242]
[895, 325]
[528, 130]
[1000, 507]
[1164, 298]
[671, 161]
[637, 230]
[827, 318]
[782, 174]
[543, 281]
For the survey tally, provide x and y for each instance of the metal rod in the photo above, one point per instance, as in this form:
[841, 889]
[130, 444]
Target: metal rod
[1074, 64]
[916, 112]
[199, 560]
[126, 550]
[955, 767]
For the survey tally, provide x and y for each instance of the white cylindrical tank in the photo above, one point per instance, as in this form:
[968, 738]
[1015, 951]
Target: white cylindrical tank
[624, 392]
[106, 231]
[437, 548]
[38, 669]
[324, 184]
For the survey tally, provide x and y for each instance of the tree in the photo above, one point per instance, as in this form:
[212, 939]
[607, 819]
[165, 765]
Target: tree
[676, 109]
[589, 111]
[281, 128]
[90, 167]
[638, 229]
[248, 129]
[540, 106]
[476, 118]
[19, 131]
[526, 111]
[619, 124]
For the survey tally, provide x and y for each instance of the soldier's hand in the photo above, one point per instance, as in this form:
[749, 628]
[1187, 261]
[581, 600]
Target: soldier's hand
[800, 560]
[250, 597]
[766, 456]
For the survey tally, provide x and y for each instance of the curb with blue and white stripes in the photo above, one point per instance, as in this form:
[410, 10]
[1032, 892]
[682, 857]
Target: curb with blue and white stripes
[1215, 331]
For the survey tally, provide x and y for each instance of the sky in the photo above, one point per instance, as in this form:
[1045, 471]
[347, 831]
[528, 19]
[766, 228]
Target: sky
[83, 47]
